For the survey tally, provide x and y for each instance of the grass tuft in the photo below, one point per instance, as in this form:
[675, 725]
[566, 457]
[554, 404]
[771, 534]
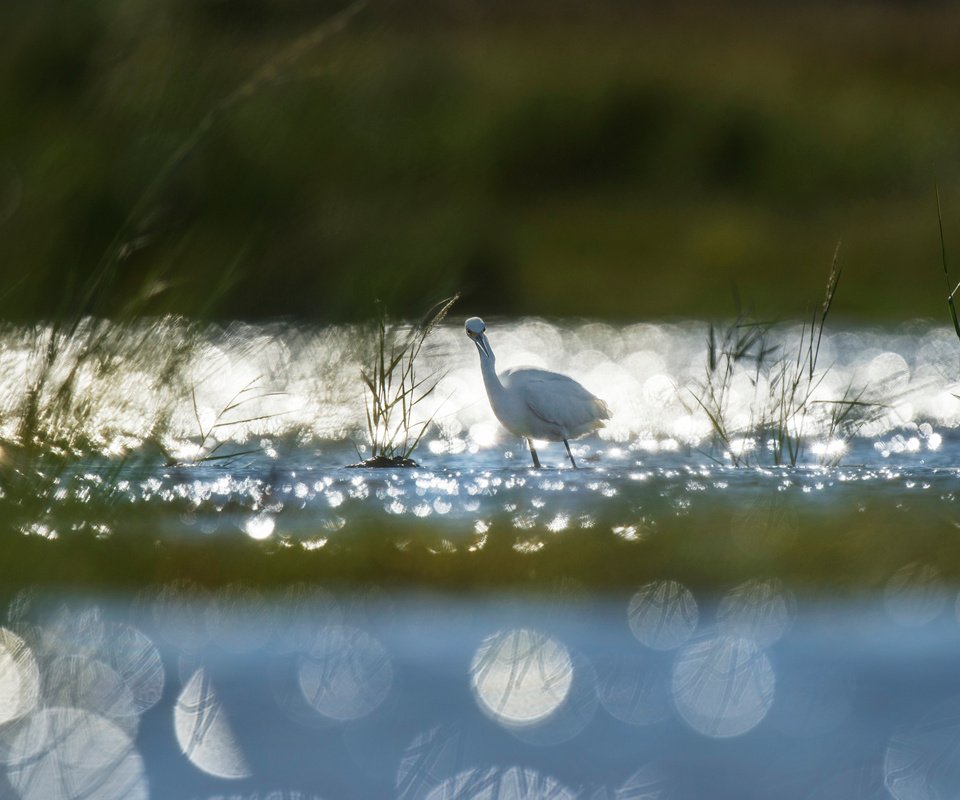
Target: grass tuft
[785, 407]
[951, 293]
[395, 389]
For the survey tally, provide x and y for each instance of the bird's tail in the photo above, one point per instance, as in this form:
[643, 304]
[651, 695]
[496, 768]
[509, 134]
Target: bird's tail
[603, 410]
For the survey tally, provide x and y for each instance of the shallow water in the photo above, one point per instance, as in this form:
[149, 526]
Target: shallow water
[248, 428]
[681, 617]
[264, 387]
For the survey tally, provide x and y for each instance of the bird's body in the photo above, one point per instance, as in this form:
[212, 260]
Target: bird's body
[536, 403]
[543, 405]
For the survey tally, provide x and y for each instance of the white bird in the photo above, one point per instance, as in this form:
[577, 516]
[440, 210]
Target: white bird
[535, 403]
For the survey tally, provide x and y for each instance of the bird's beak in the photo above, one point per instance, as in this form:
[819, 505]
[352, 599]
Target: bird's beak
[481, 344]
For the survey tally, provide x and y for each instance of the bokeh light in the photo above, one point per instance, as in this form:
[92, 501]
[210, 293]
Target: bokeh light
[635, 687]
[431, 758]
[723, 686]
[663, 614]
[572, 716]
[520, 676]
[914, 595]
[19, 678]
[760, 610]
[920, 762]
[73, 754]
[346, 674]
[512, 783]
[813, 701]
[204, 732]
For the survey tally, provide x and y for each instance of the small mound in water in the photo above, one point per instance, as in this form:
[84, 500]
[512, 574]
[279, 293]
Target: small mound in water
[385, 462]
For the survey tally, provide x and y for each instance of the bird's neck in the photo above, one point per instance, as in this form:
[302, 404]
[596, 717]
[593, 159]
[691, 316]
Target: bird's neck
[491, 381]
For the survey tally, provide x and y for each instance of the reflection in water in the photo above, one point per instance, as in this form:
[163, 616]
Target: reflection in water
[572, 716]
[346, 674]
[105, 666]
[19, 678]
[79, 682]
[915, 594]
[495, 783]
[650, 782]
[385, 695]
[237, 619]
[813, 701]
[72, 754]
[433, 756]
[298, 613]
[723, 686]
[635, 687]
[663, 614]
[178, 613]
[520, 676]
[73, 686]
[760, 610]
[137, 661]
[203, 731]
[921, 761]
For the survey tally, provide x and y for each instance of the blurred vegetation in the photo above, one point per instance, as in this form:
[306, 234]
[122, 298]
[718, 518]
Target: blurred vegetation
[847, 549]
[247, 158]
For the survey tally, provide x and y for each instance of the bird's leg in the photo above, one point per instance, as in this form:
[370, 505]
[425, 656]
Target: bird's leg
[567, 445]
[536, 461]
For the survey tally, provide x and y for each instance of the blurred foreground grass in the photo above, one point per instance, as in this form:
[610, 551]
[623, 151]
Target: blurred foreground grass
[831, 551]
[609, 159]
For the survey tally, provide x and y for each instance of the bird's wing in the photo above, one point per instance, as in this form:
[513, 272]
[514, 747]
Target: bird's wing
[556, 398]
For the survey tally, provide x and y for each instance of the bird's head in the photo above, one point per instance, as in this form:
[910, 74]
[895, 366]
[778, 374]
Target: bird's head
[475, 330]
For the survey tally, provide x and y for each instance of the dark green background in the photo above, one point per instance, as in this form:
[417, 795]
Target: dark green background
[603, 159]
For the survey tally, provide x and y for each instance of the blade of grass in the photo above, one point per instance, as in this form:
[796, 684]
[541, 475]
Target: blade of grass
[946, 272]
